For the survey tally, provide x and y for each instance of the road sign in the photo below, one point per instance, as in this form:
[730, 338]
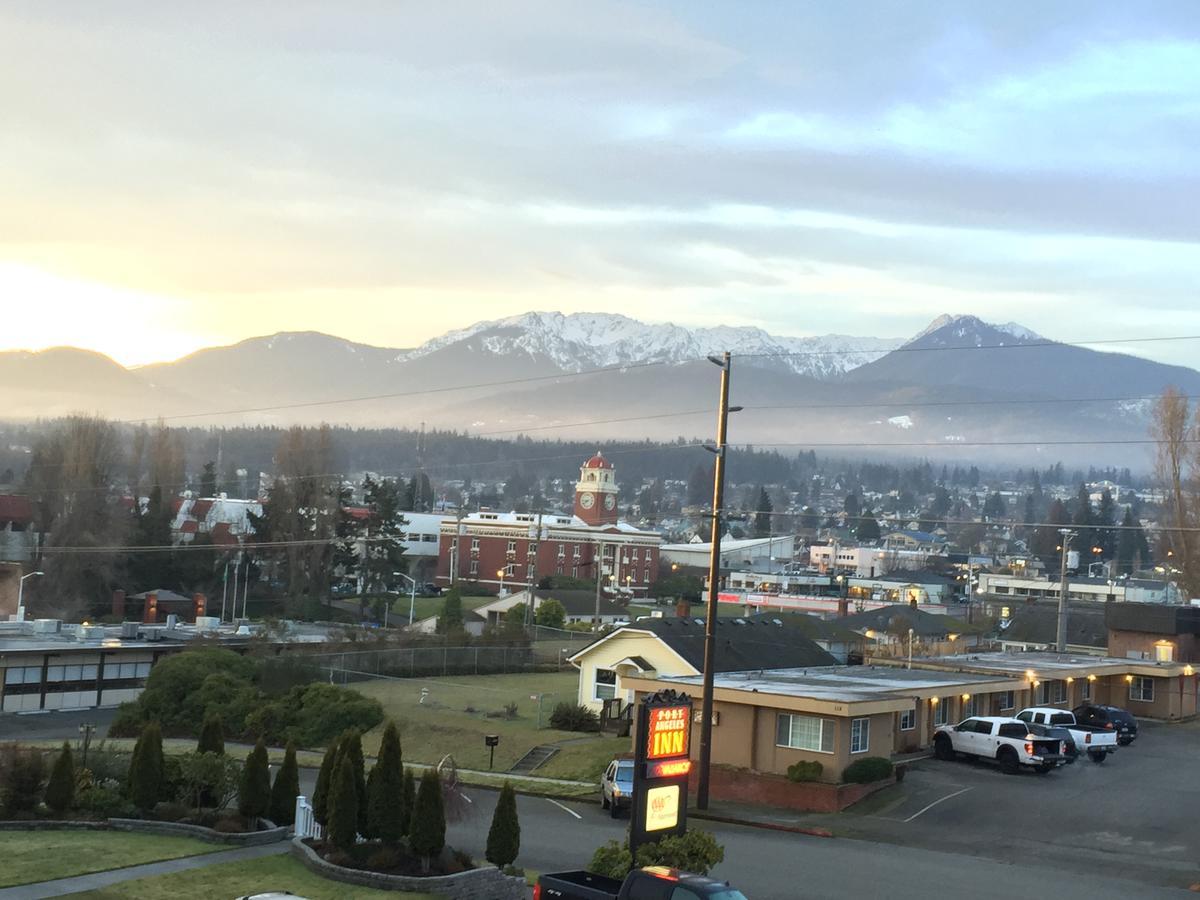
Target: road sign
[661, 767]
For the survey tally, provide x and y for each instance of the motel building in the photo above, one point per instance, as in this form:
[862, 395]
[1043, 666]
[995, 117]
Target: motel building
[766, 720]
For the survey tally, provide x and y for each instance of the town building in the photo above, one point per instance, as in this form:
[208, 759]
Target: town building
[517, 550]
[775, 551]
[580, 606]
[868, 562]
[1128, 590]
[674, 645]
[18, 547]
[223, 519]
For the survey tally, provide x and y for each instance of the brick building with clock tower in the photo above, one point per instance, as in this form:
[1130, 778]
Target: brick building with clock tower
[528, 547]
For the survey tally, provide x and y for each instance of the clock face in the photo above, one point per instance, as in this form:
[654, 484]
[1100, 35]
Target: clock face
[609, 502]
[587, 501]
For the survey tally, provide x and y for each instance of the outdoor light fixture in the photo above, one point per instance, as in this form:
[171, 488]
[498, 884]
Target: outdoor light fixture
[1091, 678]
[1070, 680]
[933, 701]
[1030, 674]
[966, 697]
[1188, 670]
[1129, 679]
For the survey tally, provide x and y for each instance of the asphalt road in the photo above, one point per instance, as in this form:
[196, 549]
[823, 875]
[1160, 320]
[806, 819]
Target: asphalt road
[54, 726]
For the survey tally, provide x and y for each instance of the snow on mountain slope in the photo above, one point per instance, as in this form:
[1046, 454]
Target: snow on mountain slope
[591, 340]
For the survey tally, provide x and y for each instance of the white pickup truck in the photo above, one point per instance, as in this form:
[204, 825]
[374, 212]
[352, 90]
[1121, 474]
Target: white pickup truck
[1096, 742]
[1000, 739]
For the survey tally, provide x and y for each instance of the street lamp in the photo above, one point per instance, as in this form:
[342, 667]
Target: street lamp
[500, 575]
[412, 600]
[21, 592]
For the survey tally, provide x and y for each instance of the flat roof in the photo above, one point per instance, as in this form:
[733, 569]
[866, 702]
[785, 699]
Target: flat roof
[1016, 664]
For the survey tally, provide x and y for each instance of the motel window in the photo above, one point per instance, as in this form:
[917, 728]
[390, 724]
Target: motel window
[1164, 652]
[860, 735]
[908, 720]
[1087, 689]
[970, 707]
[1059, 691]
[804, 733]
[940, 712]
[1006, 700]
[1142, 689]
[605, 685]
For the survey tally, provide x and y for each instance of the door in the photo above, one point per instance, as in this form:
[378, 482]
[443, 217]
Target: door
[985, 742]
[965, 736]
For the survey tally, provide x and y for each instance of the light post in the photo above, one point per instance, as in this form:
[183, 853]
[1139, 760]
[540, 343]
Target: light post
[910, 639]
[500, 575]
[412, 599]
[21, 594]
[86, 730]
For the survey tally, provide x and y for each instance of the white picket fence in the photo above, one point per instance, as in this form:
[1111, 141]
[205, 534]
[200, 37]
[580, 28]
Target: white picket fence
[306, 825]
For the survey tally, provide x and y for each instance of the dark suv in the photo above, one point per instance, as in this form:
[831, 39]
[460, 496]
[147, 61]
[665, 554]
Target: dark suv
[1110, 718]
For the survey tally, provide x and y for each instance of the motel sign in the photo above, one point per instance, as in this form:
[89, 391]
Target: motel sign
[661, 767]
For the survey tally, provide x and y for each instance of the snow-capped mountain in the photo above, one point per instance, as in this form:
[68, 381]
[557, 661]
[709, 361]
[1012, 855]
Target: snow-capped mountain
[971, 330]
[581, 341]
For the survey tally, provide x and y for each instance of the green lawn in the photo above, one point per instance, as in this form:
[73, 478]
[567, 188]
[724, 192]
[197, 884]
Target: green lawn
[424, 607]
[31, 856]
[442, 724]
[228, 880]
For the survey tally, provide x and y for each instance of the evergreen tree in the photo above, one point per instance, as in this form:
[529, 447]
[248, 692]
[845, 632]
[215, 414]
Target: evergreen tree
[352, 748]
[342, 831]
[254, 793]
[208, 481]
[1082, 521]
[60, 791]
[320, 797]
[762, 515]
[427, 833]
[408, 799]
[504, 837]
[146, 768]
[867, 528]
[286, 788]
[451, 619]
[852, 507]
[212, 738]
[550, 614]
[1106, 517]
[385, 789]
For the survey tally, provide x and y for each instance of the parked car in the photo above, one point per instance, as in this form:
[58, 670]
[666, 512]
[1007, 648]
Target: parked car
[1097, 742]
[616, 786]
[1000, 739]
[1070, 751]
[650, 883]
[1110, 718]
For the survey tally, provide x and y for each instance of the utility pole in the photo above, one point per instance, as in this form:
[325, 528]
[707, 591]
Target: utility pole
[532, 568]
[1061, 643]
[599, 581]
[714, 577]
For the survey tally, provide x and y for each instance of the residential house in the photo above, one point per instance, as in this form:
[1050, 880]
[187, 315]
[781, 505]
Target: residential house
[580, 606]
[1034, 626]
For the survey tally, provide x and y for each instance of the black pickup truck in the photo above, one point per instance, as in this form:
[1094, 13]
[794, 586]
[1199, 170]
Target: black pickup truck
[650, 883]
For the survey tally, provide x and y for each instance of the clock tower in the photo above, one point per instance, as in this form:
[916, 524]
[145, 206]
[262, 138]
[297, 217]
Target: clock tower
[596, 492]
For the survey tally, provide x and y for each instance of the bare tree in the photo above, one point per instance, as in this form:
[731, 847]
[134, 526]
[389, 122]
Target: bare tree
[1177, 465]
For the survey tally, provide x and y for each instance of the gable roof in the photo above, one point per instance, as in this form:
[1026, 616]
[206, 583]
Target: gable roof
[814, 627]
[922, 623]
[1037, 623]
[764, 643]
[15, 508]
[582, 603]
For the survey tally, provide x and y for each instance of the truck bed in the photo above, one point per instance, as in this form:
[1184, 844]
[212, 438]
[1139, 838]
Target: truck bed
[579, 886]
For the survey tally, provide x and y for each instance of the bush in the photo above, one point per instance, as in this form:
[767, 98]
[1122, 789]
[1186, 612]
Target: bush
[867, 770]
[212, 736]
[285, 790]
[146, 768]
[569, 717]
[170, 812]
[550, 614]
[900, 771]
[22, 773]
[693, 851]
[207, 779]
[173, 695]
[408, 799]
[612, 860]
[427, 833]
[103, 802]
[254, 793]
[343, 806]
[60, 790]
[384, 813]
[314, 715]
[504, 837]
[351, 748]
[320, 797]
[805, 771]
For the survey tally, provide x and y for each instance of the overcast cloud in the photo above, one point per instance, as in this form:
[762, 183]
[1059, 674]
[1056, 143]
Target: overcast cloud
[388, 171]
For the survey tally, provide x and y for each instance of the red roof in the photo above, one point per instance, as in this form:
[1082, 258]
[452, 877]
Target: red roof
[597, 462]
[357, 512]
[189, 527]
[200, 508]
[222, 535]
[176, 504]
[15, 508]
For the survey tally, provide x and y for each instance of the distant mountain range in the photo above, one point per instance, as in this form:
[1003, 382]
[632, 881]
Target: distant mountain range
[958, 385]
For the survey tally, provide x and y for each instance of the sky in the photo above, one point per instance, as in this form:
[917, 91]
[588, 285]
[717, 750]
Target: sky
[179, 175]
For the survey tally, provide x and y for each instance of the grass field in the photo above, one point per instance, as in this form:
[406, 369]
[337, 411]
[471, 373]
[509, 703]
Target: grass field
[443, 725]
[424, 607]
[227, 880]
[32, 856]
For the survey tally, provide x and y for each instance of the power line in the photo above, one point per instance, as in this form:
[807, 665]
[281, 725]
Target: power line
[955, 443]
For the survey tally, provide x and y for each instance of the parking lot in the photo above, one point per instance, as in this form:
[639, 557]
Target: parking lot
[1134, 816]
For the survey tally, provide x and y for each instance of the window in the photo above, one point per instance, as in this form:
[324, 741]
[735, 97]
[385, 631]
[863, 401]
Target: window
[512, 546]
[474, 570]
[576, 553]
[1087, 689]
[970, 707]
[940, 712]
[860, 735]
[646, 576]
[804, 733]
[475, 544]
[562, 549]
[605, 687]
[1164, 652]
[635, 555]
[1012, 730]
[1059, 691]
[1005, 699]
[533, 548]
[1142, 689]
[908, 720]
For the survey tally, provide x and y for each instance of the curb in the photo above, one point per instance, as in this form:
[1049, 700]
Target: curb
[811, 831]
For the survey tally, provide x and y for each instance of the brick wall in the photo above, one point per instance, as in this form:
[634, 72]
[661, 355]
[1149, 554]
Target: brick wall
[740, 786]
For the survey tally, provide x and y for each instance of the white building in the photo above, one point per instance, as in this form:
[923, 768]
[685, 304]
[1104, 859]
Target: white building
[1131, 590]
[735, 554]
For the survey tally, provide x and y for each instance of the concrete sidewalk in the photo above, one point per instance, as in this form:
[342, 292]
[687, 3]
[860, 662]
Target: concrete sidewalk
[97, 880]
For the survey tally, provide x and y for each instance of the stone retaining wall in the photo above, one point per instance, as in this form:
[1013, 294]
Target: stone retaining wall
[487, 883]
[179, 829]
[46, 825]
